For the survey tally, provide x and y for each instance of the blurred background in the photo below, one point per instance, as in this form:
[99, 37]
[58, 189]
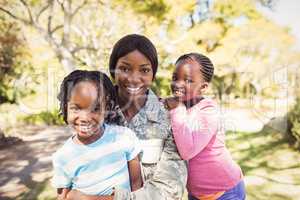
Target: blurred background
[254, 45]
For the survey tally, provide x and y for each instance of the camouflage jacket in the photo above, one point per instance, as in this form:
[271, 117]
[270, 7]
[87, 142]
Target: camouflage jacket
[166, 179]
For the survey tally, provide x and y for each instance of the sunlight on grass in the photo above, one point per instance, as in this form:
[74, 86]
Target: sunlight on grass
[270, 166]
[39, 191]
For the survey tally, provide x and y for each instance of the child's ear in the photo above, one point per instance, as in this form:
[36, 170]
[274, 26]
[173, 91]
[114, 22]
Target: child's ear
[204, 86]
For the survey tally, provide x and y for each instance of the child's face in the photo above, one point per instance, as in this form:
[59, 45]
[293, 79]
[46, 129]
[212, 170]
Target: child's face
[187, 81]
[85, 112]
[133, 75]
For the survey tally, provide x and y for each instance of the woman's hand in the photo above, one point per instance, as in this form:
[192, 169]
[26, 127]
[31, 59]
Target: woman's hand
[77, 195]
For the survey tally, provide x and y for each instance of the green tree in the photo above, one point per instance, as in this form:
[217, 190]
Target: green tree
[13, 62]
[230, 32]
[80, 33]
[236, 36]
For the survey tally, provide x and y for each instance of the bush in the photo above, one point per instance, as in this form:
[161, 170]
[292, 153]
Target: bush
[161, 86]
[294, 124]
[44, 118]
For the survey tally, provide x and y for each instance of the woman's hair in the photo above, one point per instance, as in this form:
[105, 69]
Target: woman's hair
[206, 66]
[102, 83]
[130, 43]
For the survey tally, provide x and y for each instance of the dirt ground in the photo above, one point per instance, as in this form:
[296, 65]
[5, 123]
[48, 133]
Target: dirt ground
[27, 164]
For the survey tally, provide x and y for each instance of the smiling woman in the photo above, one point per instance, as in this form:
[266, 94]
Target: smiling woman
[133, 64]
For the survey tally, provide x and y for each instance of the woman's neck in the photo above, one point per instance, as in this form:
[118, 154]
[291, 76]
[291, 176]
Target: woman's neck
[131, 106]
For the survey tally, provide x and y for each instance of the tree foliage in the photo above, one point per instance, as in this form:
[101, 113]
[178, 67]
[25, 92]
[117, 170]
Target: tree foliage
[79, 32]
[13, 62]
[234, 34]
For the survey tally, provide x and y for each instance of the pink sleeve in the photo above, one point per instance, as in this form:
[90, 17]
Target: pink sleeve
[192, 132]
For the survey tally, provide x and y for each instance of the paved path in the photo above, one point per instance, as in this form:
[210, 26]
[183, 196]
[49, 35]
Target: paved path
[241, 120]
[25, 165]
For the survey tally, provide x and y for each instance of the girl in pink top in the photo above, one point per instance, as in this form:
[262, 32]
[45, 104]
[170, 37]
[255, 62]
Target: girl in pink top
[200, 139]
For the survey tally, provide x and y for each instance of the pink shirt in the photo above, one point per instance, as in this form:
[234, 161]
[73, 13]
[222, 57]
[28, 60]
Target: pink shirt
[200, 139]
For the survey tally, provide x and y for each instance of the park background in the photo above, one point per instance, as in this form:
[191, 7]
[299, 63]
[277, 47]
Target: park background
[255, 50]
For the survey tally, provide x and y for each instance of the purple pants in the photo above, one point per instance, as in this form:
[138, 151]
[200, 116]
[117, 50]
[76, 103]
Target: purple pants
[236, 193]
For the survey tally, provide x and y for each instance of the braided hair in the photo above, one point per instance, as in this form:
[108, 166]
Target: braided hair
[207, 68]
[103, 84]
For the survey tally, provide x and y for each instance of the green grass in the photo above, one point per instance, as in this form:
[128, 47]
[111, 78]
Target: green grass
[38, 191]
[271, 168]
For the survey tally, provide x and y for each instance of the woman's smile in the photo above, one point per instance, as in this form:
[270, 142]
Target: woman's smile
[133, 90]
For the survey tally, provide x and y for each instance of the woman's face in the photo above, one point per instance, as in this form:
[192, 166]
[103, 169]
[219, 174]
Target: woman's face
[133, 75]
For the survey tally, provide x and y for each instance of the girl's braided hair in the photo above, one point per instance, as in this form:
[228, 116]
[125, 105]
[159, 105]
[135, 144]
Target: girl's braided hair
[103, 85]
[207, 68]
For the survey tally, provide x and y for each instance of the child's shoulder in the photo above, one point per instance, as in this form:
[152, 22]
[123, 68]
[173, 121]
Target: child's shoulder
[120, 131]
[64, 150]
[208, 101]
[207, 104]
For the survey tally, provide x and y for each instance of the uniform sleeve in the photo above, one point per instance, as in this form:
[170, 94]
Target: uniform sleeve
[60, 178]
[168, 181]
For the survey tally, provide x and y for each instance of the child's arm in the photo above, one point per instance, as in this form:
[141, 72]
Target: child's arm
[193, 132]
[62, 193]
[134, 168]
[61, 181]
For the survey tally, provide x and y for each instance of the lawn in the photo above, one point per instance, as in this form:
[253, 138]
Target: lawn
[270, 166]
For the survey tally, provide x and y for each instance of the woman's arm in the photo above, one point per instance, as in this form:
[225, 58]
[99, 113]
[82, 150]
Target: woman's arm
[170, 176]
[77, 195]
[135, 176]
[169, 179]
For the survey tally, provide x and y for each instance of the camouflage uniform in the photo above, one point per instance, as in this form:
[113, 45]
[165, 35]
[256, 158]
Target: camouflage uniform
[166, 179]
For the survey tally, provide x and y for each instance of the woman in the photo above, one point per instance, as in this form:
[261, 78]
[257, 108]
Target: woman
[133, 65]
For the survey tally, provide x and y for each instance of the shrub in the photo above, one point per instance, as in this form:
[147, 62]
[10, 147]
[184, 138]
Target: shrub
[44, 118]
[294, 124]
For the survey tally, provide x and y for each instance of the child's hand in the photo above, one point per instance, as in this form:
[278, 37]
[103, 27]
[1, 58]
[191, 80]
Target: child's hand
[62, 193]
[171, 103]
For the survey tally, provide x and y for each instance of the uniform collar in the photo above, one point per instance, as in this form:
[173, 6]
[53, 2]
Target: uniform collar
[152, 107]
[150, 110]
